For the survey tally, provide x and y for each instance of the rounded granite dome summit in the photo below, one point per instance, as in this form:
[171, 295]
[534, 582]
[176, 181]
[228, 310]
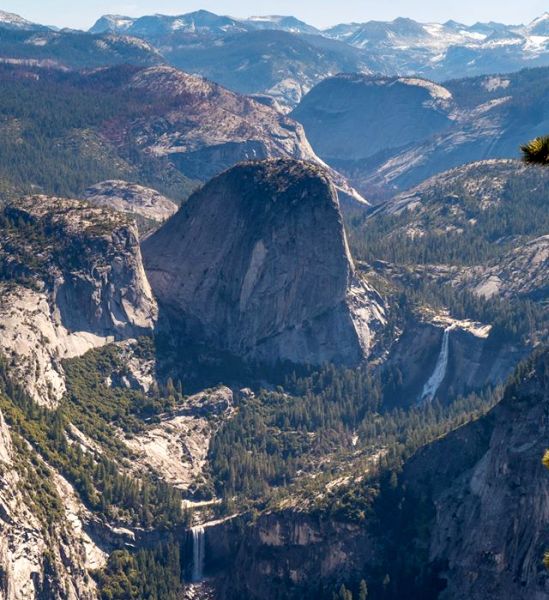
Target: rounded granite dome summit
[274, 181]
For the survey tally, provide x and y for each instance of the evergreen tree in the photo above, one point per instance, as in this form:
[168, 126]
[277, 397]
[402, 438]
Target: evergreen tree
[363, 592]
[536, 151]
[343, 594]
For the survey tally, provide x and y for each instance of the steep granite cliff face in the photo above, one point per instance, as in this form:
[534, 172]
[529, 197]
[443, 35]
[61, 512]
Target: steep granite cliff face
[488, 490]
[256, 263]
[71, 279]
[298, 554]
[455, 357]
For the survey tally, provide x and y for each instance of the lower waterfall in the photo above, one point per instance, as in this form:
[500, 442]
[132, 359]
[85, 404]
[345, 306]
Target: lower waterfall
[199, 553]
[431, 387]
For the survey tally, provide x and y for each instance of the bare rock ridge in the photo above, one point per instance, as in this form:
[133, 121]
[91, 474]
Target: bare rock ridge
[256, 264]
[71, 279]
[354, 116]
[131, 198]
[206, 128]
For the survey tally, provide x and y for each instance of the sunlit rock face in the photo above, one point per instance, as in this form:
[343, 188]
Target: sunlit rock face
[73, 279]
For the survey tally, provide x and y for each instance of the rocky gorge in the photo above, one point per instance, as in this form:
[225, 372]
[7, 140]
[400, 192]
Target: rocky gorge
[450, 494]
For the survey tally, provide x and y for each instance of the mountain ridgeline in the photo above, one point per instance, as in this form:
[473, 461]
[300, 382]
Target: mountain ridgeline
[158, 127]
[285, 57]
[282, 56]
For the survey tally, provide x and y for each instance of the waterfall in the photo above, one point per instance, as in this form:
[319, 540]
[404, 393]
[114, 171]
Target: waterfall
[199, 552]
[432, 385]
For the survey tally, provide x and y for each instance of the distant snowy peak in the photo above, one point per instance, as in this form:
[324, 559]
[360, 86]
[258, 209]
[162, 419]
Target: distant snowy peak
[540, 26]
[447, 50]
[203, 20]
[402, 33]
[283, 23]
[112, 24]
[200, 21]
[13, 21]
[431, 40]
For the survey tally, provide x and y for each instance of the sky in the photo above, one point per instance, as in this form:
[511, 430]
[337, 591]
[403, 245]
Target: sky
[322, 13]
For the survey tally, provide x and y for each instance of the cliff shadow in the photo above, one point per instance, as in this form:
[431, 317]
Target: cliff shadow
[181, 354]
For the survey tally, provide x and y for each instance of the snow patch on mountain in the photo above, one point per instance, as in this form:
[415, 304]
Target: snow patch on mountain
[437, 92]
[12, 21]
[493, 83]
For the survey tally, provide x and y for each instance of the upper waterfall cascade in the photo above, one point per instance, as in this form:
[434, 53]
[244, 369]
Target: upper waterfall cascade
[434, 382]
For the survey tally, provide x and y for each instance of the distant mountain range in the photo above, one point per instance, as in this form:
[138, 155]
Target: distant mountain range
[248, 59]
[284, 57]
[200, 21]
[384, 132]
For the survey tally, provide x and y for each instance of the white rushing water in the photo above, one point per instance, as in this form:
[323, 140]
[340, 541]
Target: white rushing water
[199, 552]
[431, 387]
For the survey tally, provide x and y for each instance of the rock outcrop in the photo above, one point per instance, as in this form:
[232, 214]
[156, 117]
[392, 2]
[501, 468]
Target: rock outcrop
[256, 264]
[389, 134]
[71, 279]
[177, 448]
[524, 271]
[205, 128]
[487, 183]
[133, 199]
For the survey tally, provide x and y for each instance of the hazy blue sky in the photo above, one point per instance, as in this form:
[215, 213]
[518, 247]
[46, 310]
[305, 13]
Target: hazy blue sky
[72, 13]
